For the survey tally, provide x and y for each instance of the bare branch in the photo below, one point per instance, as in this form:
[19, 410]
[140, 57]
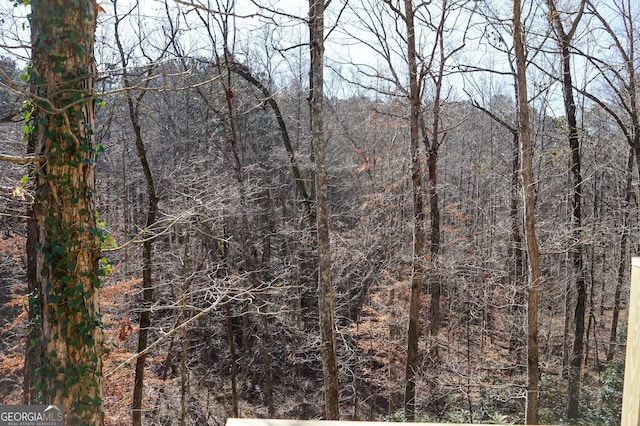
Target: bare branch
[29, 159]
[396, 10]
[219, 12]
[149, 233]
[221, 299]
[280, 13]
[493, 116]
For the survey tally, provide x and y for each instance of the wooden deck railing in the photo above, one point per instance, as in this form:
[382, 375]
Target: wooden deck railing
[631, 392]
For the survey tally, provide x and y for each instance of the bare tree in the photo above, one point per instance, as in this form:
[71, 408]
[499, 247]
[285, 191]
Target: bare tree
[134, 102]
[564, 39]
[326, 293]
[533, 254]
[419, 233]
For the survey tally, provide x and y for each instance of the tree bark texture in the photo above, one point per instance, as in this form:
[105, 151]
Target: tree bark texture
[528, 189]
[66, 272]
[326, 292]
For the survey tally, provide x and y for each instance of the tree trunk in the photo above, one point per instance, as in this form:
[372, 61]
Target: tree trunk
[184, 302]
[517, 255]
[434, 213]
[432, 146]
[67, 272]
[622, 266]
[517, 271]
[419, 234]
[33, 353]
[143, 329]
[533, 369]
[326, 293]
[147, 245]
[267, 277]
[184, 376]
[577, 249]
[232, 350]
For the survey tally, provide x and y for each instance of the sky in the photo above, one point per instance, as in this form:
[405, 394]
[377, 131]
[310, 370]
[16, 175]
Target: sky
[270, 43]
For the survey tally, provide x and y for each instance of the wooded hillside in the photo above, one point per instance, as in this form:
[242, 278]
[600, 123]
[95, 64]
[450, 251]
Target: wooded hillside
[389, 193]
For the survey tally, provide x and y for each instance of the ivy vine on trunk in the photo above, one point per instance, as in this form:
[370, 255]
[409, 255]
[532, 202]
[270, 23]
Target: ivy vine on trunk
[68, 236]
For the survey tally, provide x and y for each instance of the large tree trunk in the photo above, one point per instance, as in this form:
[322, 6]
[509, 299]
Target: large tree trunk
[67, 269]
[325, 286]
[419, 234]
[533, 369]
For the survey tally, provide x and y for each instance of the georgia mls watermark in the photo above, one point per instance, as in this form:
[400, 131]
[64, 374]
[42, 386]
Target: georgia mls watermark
[31, 415]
